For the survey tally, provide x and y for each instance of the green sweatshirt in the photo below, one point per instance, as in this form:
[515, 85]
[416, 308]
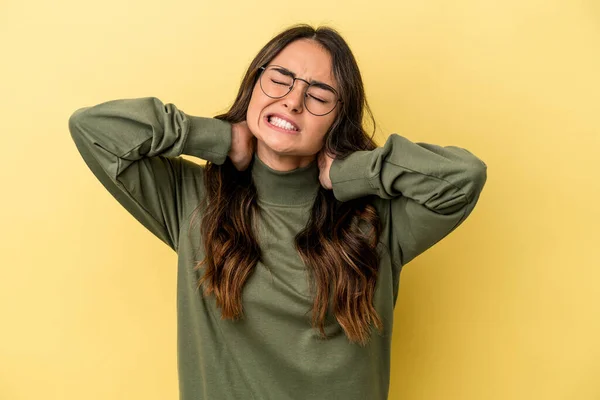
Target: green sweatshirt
[422, 192]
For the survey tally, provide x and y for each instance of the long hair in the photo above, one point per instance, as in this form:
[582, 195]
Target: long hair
[341, 258]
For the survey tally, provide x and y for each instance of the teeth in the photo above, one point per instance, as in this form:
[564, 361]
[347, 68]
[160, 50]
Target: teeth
[282, 123]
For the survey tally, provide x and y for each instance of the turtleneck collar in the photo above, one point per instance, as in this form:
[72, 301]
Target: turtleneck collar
[291, 188]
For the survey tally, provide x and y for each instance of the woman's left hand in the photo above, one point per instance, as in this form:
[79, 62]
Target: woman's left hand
[325, 162]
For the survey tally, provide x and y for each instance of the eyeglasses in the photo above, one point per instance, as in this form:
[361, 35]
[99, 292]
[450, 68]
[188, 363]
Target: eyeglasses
[319, 98]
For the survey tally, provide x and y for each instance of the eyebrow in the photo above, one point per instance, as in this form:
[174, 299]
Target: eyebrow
[289, 73]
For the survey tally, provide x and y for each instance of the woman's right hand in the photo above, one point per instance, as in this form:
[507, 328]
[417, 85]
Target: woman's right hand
[243, 145]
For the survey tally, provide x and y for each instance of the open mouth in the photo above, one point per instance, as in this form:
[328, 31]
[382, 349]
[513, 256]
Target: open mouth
[281, 123]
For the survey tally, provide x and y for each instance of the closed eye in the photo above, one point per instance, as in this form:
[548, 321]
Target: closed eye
[318, 99]
[279, 83]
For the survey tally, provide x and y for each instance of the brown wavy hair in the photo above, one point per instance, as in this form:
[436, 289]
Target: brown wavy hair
[341, 259]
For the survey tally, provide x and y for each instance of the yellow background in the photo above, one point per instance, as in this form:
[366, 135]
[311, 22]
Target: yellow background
[506, 307]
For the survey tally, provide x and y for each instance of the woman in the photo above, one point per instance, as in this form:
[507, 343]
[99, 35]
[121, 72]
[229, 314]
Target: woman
[291, 239]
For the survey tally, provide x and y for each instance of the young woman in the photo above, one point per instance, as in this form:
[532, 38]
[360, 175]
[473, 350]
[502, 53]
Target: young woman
[291, 239]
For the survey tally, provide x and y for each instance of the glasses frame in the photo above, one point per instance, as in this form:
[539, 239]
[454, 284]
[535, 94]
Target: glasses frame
[264, 68]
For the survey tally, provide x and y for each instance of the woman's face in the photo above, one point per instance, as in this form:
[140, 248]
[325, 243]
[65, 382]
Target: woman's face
[282, 149]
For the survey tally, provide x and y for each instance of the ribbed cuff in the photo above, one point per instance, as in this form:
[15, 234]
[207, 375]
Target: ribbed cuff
[208, 139]
[352, 178]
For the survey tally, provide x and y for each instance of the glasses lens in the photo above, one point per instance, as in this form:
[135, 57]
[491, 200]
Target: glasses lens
[274, 83]
[319, 100]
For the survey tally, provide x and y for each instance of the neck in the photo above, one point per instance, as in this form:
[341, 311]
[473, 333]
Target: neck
[282, 162]
[295, 187]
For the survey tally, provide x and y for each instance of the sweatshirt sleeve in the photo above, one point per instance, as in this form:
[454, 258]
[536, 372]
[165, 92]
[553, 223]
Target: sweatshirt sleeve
[133, 145]
[428, 190]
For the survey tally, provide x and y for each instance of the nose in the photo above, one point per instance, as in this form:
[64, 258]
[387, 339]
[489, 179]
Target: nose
[294, 100]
